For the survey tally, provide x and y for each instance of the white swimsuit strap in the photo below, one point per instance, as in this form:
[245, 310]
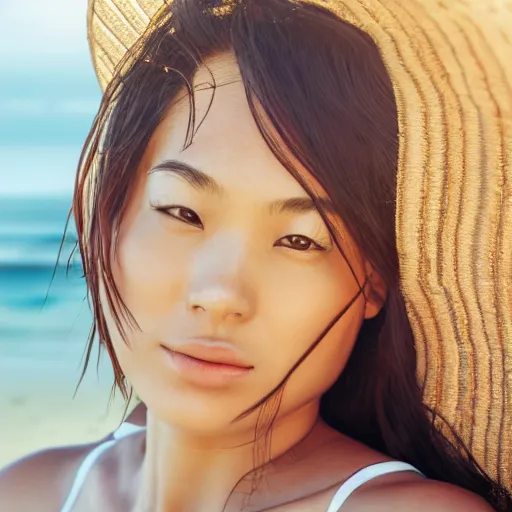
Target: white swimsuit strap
[82, 472]
[124, 430]
[347, 488]
[364, 475]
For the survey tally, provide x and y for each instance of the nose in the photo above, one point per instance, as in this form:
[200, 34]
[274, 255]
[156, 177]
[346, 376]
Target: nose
[219, 303]
[219, 286]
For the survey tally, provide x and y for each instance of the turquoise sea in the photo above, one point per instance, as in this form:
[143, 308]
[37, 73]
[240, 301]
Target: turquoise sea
[44, 325]
[43, 303]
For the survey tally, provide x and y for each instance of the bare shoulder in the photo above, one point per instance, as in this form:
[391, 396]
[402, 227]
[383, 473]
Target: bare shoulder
[40, 481]
[418, 495]
[404, 491]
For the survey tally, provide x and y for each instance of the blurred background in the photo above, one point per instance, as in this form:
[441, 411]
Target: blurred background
[48, 99]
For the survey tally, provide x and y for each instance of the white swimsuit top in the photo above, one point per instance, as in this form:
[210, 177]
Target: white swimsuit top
[347, 488]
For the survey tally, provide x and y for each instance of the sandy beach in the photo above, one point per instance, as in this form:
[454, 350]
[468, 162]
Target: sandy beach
[37, 405]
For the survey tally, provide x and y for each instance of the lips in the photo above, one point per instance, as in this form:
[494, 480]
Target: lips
[210, 351]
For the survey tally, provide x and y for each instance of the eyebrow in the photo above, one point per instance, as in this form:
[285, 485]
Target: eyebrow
[198, 179]
[202, 181]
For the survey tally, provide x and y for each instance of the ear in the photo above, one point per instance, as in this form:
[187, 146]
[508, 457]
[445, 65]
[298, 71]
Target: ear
[375, 293]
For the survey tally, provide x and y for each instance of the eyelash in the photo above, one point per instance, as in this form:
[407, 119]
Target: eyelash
[311, 244]
[166, 210]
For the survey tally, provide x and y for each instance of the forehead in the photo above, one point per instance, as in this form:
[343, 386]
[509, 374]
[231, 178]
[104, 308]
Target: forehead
[227, 142]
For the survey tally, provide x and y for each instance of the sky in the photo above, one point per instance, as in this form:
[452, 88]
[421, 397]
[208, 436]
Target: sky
[48, 95]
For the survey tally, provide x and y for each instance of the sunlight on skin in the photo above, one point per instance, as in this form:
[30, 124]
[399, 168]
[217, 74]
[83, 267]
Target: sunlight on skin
[228, 253]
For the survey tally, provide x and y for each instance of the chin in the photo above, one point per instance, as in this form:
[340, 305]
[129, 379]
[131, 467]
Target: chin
[193, 411]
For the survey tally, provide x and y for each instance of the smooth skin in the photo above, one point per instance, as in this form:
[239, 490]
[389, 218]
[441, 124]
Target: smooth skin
[219, 256]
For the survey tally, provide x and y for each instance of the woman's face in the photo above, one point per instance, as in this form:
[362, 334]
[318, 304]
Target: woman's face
[221, 257]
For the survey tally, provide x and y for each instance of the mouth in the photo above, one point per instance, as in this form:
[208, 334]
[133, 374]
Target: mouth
[216, 352]
[204, 368]
[208, 361]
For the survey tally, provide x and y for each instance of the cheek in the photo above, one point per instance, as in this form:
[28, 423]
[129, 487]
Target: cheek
[302, 308]
[320, 370]
[304, 300]
[149, 270]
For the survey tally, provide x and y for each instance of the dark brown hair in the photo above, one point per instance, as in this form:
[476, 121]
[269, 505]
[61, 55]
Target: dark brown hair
[324, 88]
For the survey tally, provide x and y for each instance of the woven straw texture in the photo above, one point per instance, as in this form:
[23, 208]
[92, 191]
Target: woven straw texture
[451, 66]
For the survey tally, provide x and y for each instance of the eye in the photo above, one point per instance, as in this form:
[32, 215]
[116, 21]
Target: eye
[183, 214]
[299, 243]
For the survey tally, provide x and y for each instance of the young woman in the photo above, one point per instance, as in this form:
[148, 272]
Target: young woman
[256, 174]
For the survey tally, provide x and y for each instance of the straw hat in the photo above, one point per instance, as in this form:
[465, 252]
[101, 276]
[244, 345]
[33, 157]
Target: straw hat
[450, 63]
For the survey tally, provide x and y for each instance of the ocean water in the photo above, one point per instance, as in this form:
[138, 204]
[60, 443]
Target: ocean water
[44, 326]
[44, 313]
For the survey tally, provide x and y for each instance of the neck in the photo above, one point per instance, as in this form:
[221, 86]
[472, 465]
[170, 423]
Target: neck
[192, 473]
